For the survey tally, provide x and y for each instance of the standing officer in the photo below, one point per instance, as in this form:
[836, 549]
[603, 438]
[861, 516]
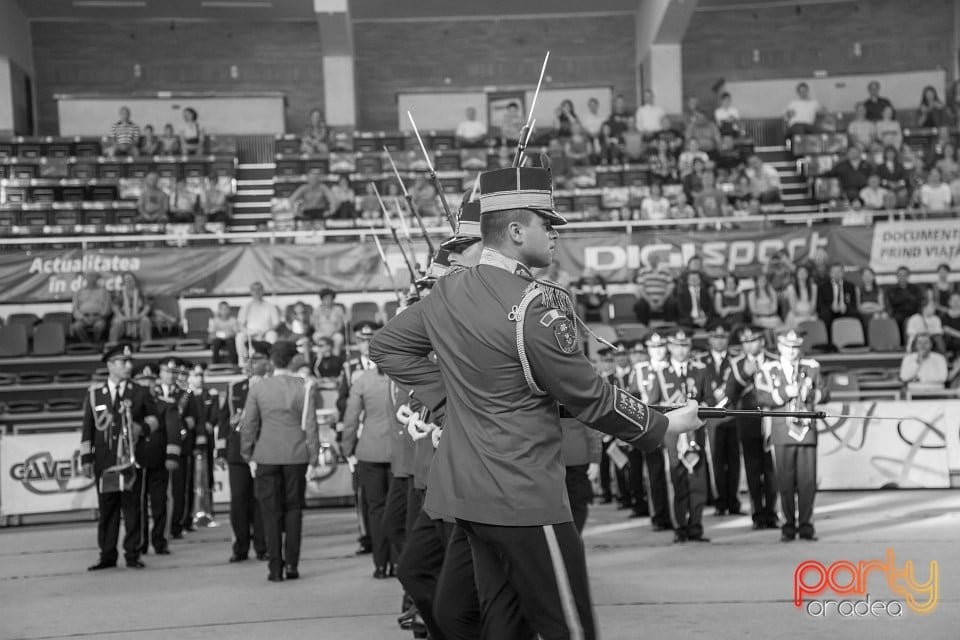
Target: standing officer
[279, 433]
[620, 377]
[507, 350]
[245, 519]
[646, 376]
[169, 392]
[160, 452]
[116, 414]
[207, 404]
[724, 439]
[757, 458]
[793, 383]
[625, 369]
[581, 456]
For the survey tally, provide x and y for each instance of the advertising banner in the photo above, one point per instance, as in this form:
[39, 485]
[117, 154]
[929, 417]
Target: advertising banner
[922, 245]
[42, 474]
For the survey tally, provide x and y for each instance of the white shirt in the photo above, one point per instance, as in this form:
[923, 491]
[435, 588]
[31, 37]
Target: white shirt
[873, 198]
[932, 372]
[717, 359]
[919, 323]
[592, 123]
[257, 318]
[804, 111]
[649, 117]
[114, 389]
[654, 208]
[721, 114]
[935, 198]
[679, 368]
[471, 129]
[789, 370]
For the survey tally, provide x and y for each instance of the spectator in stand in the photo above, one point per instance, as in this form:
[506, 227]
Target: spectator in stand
[705, 132]
[889, 132]
[222, 334]
[694, 302]
[424, 196]
[764, 304]
[931, 112]
[313, 200]
[298, 325]
[149, 142]
[861, 131]
[124, 135]
[91, 309]
[590, 292]
[471, 132]
[852, 172]
[873, 196]
[730, 302]
[894, 176]
[258, 320]
[836, 297]
[592, 121]
[578, 147]
[675, 140]
[192, 137]
[728, 156]
[329, 320]
[690, 154]
[633, 143]
[926, 321]
[941, 289]
[565, 119]
[903, 298]
[315, 139]
[169, 142]
[655, 206]
[934, 196]
[870, 300]
[131, 312]
[183, 204]
[947, 163]
[619, 119]
[608, 147]
[693, 181]
[511, 124]
[214, 201]
[923, 369]
[153, 206]
[727, 116]
[649, 115]
[801, 298]
[327, 365]
[950, 319]
[764, 180]
[681, 209]
[953, 103]
[710, 202]
[654, 288]
[801, 114]
[662, 163]
[874, 103]
[345, 199]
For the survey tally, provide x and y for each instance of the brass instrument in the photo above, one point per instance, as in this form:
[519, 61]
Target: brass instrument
[202, 492]
[120, 476]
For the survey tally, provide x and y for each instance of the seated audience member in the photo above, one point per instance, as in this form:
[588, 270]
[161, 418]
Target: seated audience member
[369, 207]
[674, 139]
[424, 196]
[620, 118]
[710, 202]
[692, 181]
[91, 309]
[578, 147]
[705, 132]
[690, 155]
[861, 132]
[875, 103]
[934, 196]
[694, 302]
[727, 117]
[124, 135]
[923, 369]
[947, 163]
[592, 121]
[870, 301]
[655, 206]
[925, 321]
[313, 200]
[511, 124]
[633, 143]
[654, 288]
[852, 173]
[153, 206]
[329, 320]
[681, 209]
[932, 112]
[889, 132]
[950, 319]
[169, 142]
[903, 298]
[608, 148]
[183, 204]
[764, 304]
[192, 137]
[663, 165]
[728, 156]
[471, 132]
[764, 180]
[590, 293]
[131, 312]
[565, 117]
[149, 143]
[214, 202]
[345, 199]
[327, 365]
[874, 196]
[298, 325]
[315, 137]
[941, 289]
[801, 298]
[801, 114]
[730, 302]
[258, 320]
[222, 334]
[649, 116]
[894, 176]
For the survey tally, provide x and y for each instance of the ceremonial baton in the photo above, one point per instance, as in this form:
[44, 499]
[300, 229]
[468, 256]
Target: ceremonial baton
[527, 128]
[386, 265]
[393, 232]
[717, 412]
[433, 176]
[409, 199]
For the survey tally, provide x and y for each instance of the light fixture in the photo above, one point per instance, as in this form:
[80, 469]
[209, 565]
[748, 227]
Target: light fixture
[110, 4]
[236, 4]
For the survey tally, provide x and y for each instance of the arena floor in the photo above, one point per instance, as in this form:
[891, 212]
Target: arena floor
[740, 586]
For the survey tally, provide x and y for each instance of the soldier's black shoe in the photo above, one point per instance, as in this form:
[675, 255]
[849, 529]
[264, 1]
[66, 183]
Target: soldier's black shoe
[189, 527]
[177, 536]
[380, 573]
[419, 629]
[736, 512]
[699, 539]
[292, 573]
[720, 512]
[811, 536]
[275, 577]
[406, 618]
[606, 500]
[101, 566]
[680, 537]
[163, 551]
[787, 537]
[759, 525]
[661, 526]
[136, 564]
[237, 558]
[262, 556]
[363, 550]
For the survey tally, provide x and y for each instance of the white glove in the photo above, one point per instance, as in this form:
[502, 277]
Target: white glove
[404, 413]
[352, 463]
[435, 437]
[253, 468]
[593, 472]
[418, 429]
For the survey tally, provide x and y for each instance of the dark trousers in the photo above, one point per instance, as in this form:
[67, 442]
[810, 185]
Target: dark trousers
[154, 492]
[363, 518]
[374, 481]
[623, 486]
[761, 480]
[224, 350]
[181, 485]
[797, 482]
[414, 504]
[419, 572]
[281, 493]
[245, 517]
[659, 496]
[394, 522]
[605, 473]
[542, 569]
[111, 506]
[725, 447]
[638, 496]
[580, 492]
[689, 491]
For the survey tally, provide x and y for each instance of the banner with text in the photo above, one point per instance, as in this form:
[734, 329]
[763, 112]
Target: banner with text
[922, 245]
[42, 474]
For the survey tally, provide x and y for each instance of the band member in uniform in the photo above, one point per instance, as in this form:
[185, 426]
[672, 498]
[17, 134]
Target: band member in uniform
[116, 414]
[757, 458]
[724, 439]
[279, 434]
[619, 377]
[645, 376]
[581, 456]
[680, 380]
[626, 371]
[160, 452]
[170, 392]
[245, 519]
[794, 384]
[207, 402]
[507, 350]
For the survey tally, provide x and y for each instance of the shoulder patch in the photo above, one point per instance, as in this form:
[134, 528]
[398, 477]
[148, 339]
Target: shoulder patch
[550, 317]
[566, 334]
[630, 408]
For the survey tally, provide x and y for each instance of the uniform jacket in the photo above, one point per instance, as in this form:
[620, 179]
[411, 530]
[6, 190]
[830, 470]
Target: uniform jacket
[771, 383]
[403, 448]
[228, 429]
[163, 444]
[100, 433]
[499, 461]
[279, 423]
[673, 389]
[369, 404]
[581, 444]
[350, 371]
[189, 410]
[716, 380]
[825, 298]
[742, 394]
[208, 407]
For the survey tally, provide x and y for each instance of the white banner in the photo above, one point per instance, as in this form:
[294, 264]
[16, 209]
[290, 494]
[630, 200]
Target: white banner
[42, 474]
[921, 245]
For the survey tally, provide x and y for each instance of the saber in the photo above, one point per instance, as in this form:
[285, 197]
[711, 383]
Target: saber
[386, 265]
[406, 230]
[525, 132]
[409, 199]
[433, 176]
[476, 187]
[717, 412]
[393, 232]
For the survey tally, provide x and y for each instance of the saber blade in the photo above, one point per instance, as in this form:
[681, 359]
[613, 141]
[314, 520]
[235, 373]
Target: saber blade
[426, 156]
[393, 166]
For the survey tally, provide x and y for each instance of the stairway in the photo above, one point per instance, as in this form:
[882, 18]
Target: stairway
[797, 197]
[251, 205]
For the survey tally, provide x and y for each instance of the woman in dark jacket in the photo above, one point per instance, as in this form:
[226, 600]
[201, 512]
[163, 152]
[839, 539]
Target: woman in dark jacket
[894, 176]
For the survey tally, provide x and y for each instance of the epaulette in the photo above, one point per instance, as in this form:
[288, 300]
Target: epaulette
[697, 364]
[810, 362]
[553, 296]
[556, 298]
[452, 269]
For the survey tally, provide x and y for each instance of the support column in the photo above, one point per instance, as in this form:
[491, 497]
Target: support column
[16, 65]
[660, 28]
[336, 41]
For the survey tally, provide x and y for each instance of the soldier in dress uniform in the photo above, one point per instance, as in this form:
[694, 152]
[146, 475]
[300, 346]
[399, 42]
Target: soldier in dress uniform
[170, 392]
[245, 519]
[508, 350]
[724, 439]
[648, 386]
[160, 452]
[793, 383]
[108, 409]
[581, 457]
[757, 457]
[207, 402]
[680, 380]
[635, 458]
[621, 379]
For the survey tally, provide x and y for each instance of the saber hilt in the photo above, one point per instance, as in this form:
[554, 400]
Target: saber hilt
[708, 413]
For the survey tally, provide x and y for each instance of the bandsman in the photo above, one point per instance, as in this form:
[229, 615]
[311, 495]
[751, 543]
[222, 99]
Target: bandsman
[648, 386]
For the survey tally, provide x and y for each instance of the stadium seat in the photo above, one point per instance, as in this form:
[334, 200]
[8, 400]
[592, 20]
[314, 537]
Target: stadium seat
[604, 331]
[34, 377]
[26, 319]
[101, 374]
[883, 334]
[13, 341]
[621, 308]
[63, 318]
[82, 349]
[390, 308]
[815, 338]
[188, 344]
[157, 346]
[49, 339]
[222, 368]
[7, 379]
[364, 311]
[24, 406]
[631, 331]
[64, 404]
[198, 321]
[72, 376]
[843, 381]
[848, 335]
[169, 306]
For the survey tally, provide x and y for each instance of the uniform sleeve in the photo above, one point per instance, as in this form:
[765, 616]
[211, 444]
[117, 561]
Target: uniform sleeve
[86, 435]
[560, 368]
[223, 423]
[351, 417]
[401, 349]
[171, 423]
[250, 426]
[311, 427]
[821, 386]
[769, 393]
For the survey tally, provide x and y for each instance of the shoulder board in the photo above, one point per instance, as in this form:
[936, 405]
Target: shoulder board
[697, 364]
[770, 364]
[810, 362]
[553, 296]
[456, 268]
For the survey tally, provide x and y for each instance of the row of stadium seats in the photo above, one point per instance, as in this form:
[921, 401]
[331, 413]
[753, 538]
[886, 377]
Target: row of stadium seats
[102, 168]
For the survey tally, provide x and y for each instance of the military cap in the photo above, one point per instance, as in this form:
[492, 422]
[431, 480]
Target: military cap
[440, 263]
[680, 338]
[656, 339]
[122, 350]
[364, 330]
[259, 348]
[194, 367]
[145, 371]
[604, 351]
[519, 188]
[715, 329]
[170, 364]
[790, 338]
[750, 334]
[468, 220]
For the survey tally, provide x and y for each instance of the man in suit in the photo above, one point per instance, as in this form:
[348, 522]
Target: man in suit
[279, 435]
[110, 409]
[694, 302]
[836, 298]
[852, 172]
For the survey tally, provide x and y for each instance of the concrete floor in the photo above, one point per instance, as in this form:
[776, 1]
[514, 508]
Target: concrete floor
[740, 586]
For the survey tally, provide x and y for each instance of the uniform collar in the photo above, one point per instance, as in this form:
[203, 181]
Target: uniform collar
[494, 258]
